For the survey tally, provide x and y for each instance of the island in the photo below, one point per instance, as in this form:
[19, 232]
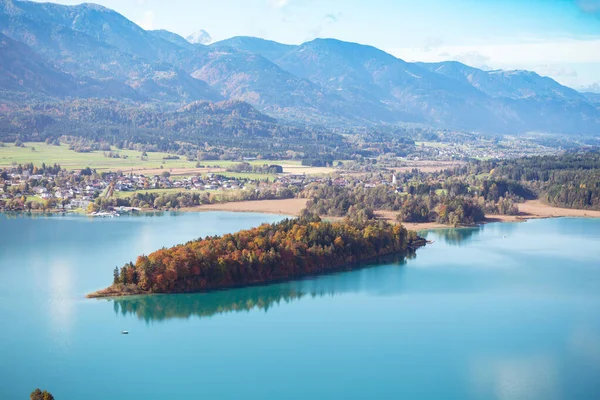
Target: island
[290, 249]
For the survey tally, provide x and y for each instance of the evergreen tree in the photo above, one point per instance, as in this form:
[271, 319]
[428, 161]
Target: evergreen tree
[116, 275]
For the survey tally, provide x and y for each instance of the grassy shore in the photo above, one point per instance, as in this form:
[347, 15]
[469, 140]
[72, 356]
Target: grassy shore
[118, 290]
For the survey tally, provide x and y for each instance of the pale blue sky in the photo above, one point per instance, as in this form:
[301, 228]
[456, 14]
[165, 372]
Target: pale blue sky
[558, 38]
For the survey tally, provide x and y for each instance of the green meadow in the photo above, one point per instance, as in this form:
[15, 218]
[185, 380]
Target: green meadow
[38, 153]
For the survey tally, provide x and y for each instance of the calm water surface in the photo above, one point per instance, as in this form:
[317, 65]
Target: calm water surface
[505, 311]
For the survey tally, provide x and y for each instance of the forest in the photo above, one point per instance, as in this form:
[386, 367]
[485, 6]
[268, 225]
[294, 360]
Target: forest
[261, 297]
[189, 199]
[229, 126]
[465, 195]
[256, 169]
[420, 197]
[286, 250]
[570, 180]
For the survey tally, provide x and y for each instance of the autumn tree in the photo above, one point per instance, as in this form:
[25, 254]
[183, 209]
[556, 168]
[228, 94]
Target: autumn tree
[37, 394]
[285, 250]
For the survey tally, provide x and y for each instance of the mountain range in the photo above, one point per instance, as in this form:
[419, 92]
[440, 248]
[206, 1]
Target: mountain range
[90, 51]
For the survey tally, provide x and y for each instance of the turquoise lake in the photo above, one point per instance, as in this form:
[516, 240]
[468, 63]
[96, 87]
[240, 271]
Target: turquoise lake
[503, 311]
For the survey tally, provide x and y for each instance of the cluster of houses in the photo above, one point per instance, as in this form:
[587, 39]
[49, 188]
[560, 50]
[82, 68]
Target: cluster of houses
[209, 182]
[72, 193]
[72, 190]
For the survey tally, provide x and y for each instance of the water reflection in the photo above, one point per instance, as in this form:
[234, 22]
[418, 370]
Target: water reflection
[535, 376]
[454, 236]
[13, 215]
[183, 306]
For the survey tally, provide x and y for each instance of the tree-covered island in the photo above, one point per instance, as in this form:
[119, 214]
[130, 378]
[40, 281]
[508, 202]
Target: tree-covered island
[290, 249]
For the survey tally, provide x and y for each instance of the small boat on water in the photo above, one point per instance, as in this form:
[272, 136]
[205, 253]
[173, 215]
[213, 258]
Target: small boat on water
[124, 332]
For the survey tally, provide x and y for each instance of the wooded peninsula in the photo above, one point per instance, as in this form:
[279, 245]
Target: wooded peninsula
[286, 250]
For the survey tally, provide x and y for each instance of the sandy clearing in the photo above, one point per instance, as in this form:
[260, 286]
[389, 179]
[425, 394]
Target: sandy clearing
[390, 216]
[419, 226]
[537, 209]
[290, 207]
[529, 210]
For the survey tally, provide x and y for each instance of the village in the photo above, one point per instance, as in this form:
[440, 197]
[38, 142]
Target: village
[28, 188]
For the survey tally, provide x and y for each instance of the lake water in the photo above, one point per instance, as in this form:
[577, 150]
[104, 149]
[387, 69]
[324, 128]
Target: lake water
[504, 311]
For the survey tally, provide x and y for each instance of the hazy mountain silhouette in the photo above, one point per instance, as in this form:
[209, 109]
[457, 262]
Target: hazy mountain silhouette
[324, 81]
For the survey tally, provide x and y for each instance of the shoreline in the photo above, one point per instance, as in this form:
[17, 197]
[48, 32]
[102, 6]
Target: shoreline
[292, 207]
[530, 209]
[289, 207]
[120, 291]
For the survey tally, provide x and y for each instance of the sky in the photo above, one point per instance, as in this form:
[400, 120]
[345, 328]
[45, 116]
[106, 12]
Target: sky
[556, 38]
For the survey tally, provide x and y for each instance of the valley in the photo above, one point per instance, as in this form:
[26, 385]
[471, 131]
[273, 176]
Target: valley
[349, 199]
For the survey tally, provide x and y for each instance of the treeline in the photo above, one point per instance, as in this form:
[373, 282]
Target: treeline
[189, 199]
[569, 180]
[449, 210]
[256, 169]
[230, 126]
[451, 202]
[289, 249]
[44, 169]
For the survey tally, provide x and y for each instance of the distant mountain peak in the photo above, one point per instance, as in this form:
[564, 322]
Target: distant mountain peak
[96, 7]
[200, 37]
[593, 88]
[69, 51]
[510, 72]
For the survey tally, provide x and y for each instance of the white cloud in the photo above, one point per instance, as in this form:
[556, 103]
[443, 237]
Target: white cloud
[473, 58]
[279, 3]
[568, 50]
[147, 21]
[557, 71]
[545, 57]
[333, 17]
[432, 43]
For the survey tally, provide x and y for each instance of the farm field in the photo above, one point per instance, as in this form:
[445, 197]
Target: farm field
[248, 175]
[38, 153]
